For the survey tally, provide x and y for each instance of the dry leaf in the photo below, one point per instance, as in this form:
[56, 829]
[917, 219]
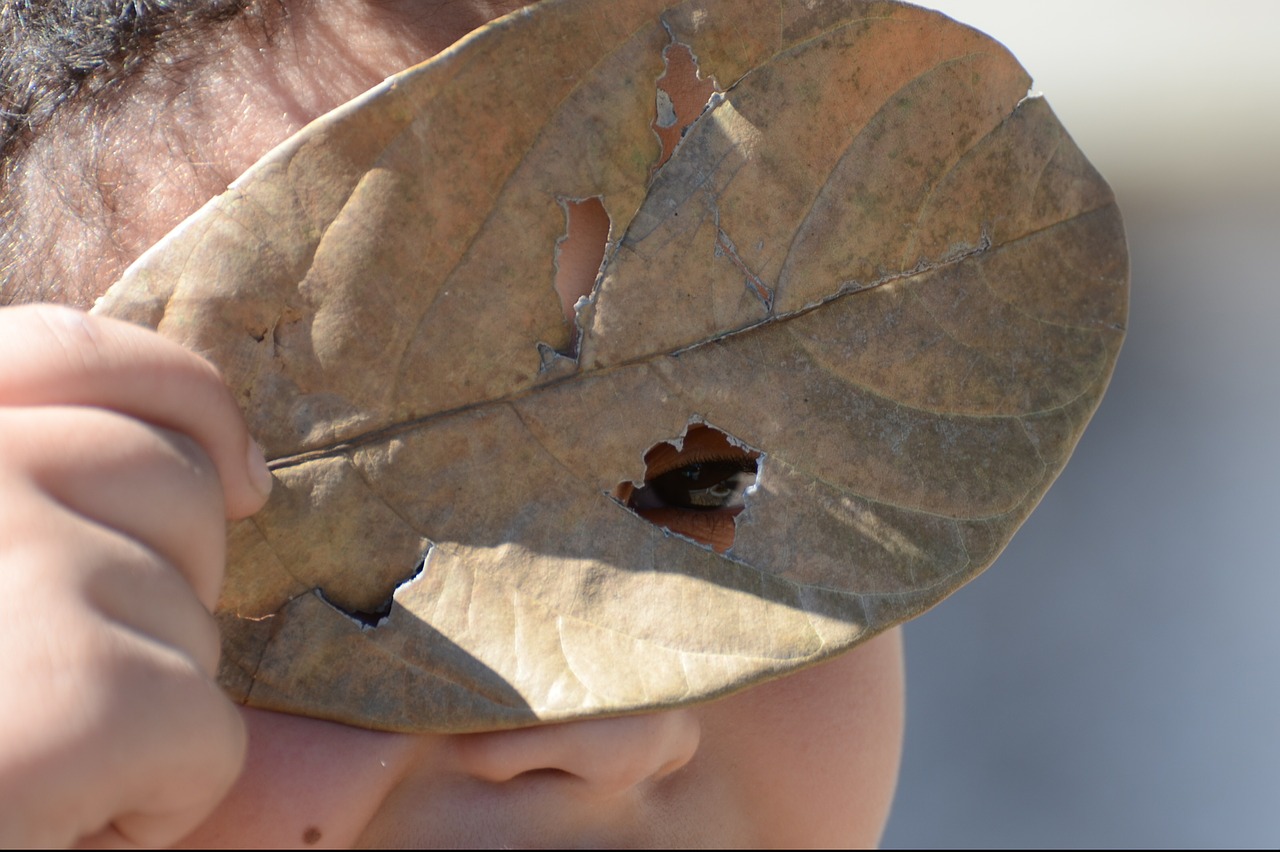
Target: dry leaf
[872, 259]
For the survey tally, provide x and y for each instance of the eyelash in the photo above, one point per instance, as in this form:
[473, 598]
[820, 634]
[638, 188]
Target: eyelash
[661, 489]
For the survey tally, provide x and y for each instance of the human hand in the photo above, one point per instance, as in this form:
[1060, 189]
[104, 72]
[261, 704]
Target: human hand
[121, 457]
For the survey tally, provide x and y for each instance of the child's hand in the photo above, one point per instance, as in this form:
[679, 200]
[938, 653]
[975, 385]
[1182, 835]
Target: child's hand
[121, 456]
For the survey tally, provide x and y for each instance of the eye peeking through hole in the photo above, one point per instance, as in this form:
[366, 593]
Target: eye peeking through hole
[695, 489]
[698, 486]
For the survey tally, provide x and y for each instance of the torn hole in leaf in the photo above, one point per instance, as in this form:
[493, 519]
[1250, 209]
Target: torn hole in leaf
[695, 485]
[682, 96]
[371, 619]
[578, 256]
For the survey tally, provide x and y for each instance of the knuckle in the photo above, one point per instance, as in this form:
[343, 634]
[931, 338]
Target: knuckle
[205, 643]
[133, 672]
[193, 458]
[77, 334]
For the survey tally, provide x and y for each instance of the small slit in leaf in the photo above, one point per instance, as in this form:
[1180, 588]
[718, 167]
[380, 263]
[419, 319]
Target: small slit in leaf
[682, 96]
[578, 256]
[696, 485]
[374, 618]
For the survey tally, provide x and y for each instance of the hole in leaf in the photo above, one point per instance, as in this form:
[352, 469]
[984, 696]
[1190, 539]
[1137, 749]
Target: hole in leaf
[695, 486]
[374, 618]
[579, 254]
[681, 97]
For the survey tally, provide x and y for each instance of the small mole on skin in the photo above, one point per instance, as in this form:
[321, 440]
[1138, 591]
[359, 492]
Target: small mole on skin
[311, 836]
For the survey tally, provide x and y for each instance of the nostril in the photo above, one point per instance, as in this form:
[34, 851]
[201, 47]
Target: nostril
[601, 757]
[544, 774]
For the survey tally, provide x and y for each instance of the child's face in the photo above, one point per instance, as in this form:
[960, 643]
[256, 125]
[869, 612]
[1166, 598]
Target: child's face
[807, 760]
[810, 759]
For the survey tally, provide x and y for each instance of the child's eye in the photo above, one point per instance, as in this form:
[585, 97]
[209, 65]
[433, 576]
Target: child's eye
[695, 489]
[700, 486]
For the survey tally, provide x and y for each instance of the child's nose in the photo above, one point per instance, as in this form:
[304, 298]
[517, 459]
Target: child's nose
[606, 756]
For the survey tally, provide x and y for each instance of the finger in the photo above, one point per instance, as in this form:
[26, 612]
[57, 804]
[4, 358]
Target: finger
[64, 562]
[169, 739]
[193, 746]
[59, 356]
[152, 485]
[124, 723]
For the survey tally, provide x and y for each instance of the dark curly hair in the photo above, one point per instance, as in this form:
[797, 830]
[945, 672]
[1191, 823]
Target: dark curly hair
[55, 51]
[60, 57]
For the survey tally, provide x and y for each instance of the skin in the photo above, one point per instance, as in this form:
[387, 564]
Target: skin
[122, 458]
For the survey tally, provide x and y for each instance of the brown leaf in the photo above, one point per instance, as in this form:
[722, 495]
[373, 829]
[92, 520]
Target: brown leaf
[872, 259]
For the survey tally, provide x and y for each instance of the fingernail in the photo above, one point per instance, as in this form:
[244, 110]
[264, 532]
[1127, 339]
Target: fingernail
[259, 474]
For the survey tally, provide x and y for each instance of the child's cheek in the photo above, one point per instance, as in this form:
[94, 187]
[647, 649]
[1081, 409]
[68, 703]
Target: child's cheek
[816, 754]
[307, 783]
[810, 759]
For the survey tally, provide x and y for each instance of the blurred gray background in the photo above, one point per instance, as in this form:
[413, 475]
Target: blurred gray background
[1112, 680]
